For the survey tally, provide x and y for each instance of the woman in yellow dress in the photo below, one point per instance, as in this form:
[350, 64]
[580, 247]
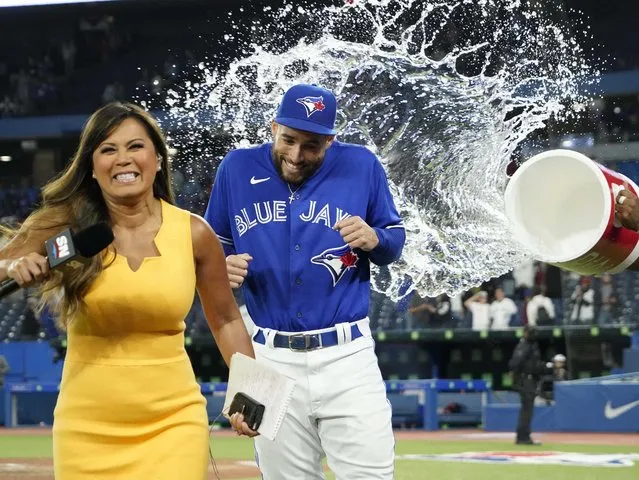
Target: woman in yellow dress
[129, 405]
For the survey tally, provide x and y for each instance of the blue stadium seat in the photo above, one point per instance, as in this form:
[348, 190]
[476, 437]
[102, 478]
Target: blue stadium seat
[407, 412]
[471, 406]
[505, 396]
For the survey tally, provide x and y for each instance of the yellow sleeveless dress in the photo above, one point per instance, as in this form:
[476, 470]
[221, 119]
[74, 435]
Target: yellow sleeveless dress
[129, 405]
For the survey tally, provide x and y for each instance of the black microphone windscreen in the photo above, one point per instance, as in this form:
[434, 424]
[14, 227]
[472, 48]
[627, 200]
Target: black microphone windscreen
[92, 240]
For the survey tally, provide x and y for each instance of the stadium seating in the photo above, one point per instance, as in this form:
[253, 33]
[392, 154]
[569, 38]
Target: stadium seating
[382, 311]
[406, 410]
[469, 404]
[12, 314]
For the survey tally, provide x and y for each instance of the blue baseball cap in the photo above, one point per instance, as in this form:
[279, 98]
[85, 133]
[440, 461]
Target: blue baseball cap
[309, 108]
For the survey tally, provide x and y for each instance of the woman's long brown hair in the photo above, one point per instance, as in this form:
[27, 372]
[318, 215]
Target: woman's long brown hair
[74, 200]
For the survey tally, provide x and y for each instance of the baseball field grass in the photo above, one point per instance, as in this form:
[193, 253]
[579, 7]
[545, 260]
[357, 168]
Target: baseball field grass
[26, 454]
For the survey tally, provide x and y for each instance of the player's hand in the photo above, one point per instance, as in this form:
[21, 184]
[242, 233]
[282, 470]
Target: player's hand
[240, 426]
[28, 270]
[237, 268]
[627, 209]
[357, 233]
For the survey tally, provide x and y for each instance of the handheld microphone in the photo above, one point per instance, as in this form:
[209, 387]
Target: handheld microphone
[68, 252]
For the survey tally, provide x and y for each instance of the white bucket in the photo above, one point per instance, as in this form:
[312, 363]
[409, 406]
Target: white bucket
[560, 205]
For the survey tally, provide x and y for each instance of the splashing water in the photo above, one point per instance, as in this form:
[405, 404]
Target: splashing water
[442, 91]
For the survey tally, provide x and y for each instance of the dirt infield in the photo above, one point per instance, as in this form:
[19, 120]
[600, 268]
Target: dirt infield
[42, 469]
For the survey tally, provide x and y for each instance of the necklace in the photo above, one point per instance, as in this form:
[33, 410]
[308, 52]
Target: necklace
[293, 192]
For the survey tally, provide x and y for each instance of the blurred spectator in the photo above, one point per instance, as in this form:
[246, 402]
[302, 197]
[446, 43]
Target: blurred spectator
[560, 370]
[552, 287]
[48, 324]
[540, 310]
[30, 324]
[556, 372]
[192, 195]
[502, 310]
[606, 288]
[177, 180]
[420, 311]
[16, 202]
[524, 275]
[523, 313]
[480, 310]
[8, 107]
[20, 82]
[432, 314]
[4, 368]
[457, 307]
[610, 357]
[583, 302]
[113, 92]
[157, 83]
[550, 280]
[401, 314]
[94, 33]
[4, 74]
[441, 312]
[610, 310]
[171, 69]
[68, 51]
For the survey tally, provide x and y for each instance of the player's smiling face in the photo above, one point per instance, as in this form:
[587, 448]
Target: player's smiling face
[298, 154]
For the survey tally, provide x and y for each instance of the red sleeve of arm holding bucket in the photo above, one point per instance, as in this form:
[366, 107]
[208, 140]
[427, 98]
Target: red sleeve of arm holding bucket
[217, 212]
[383, 217]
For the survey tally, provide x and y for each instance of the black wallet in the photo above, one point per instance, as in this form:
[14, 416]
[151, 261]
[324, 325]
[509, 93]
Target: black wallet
[252, 410]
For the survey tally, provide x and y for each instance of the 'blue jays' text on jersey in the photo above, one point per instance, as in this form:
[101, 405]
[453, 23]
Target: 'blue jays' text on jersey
[303, 275]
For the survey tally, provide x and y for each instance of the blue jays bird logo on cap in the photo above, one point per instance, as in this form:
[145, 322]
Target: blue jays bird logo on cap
[337, 261]
[312, 104]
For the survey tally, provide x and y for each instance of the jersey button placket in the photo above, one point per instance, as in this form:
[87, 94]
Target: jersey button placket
[297, 262]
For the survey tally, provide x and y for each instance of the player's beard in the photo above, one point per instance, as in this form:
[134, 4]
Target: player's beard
[296, 178]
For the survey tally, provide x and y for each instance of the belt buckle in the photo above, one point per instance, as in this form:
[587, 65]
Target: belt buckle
[304, 345]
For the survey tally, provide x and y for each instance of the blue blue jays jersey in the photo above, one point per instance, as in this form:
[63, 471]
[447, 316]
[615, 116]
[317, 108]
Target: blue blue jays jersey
[303, 275]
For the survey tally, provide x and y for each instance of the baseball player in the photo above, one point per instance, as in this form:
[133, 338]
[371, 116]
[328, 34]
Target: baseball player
[300, 220]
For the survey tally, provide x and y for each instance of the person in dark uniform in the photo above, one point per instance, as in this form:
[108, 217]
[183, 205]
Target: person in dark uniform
[527, 368]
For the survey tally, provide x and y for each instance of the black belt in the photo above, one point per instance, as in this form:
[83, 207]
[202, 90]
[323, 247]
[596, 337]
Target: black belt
[306, 341]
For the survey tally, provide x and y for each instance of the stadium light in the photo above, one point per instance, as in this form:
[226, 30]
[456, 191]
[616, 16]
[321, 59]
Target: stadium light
[5, 158]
